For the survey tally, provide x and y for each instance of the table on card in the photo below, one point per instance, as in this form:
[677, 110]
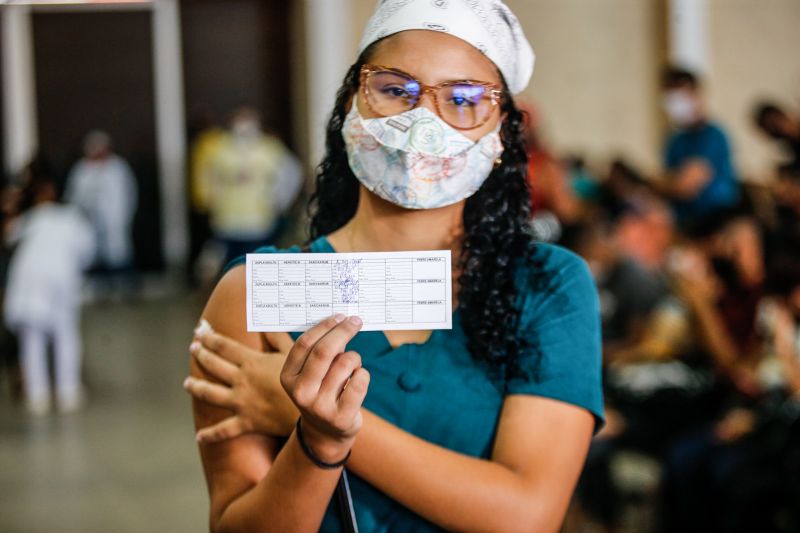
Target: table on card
[387, 290]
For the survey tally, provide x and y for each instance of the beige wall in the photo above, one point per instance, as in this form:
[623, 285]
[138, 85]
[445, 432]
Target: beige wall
[598, 65]
[755, 53]
[362, 10]
[596, 75]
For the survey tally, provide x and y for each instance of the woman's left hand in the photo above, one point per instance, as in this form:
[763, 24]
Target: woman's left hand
[249, 385]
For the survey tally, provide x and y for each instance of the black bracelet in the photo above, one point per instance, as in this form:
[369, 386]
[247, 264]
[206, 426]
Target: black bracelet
[312, 456]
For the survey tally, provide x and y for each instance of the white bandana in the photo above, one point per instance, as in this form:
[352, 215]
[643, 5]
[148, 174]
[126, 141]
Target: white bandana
[488, 25]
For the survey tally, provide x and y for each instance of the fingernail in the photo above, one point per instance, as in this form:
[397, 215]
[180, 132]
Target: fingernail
[203, 327]
[198, 438]
[339, 317]
[356, 321]
[187, 382]
[194, 347]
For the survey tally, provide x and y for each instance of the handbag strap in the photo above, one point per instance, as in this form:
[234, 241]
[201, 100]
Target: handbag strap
[344, 500]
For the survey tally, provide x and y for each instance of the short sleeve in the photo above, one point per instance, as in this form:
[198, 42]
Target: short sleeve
[560, 331]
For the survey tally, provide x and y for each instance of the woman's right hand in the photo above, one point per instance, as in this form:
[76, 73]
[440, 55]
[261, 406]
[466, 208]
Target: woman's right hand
[328, 386]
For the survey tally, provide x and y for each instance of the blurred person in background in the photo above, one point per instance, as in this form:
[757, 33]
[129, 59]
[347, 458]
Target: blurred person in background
[627, 255]
[701, 178]
[10, 200]
[777, 125]
[554, 204]
[54, 246]
[691, 358]
[204, 137]
[786, 196]
[103, 186]
[634, 281]
[621, 184]
[645, 232]
[715, 284]
[739, 471]
[583, 183]
[248, 179]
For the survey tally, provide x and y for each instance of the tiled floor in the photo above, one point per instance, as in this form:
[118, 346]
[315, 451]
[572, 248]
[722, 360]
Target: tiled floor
[127, 462]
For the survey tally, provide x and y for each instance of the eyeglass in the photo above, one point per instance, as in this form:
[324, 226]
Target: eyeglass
[464, 104]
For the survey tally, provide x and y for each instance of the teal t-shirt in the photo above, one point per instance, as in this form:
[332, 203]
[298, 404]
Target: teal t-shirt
[436, 390]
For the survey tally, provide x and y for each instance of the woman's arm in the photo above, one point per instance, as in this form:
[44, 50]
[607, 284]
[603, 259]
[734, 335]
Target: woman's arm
[252, 485]
[539, 452]
[538, 455]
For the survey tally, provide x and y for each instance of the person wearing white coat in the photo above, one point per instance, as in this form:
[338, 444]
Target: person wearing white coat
[55, 245]
[103, 186]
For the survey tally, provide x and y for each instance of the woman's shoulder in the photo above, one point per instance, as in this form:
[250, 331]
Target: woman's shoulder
[230, 290]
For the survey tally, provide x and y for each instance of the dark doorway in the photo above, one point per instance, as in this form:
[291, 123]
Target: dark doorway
[237, 52]
[95, 70]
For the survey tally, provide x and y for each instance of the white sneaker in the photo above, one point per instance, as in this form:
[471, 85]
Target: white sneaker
[72, 401]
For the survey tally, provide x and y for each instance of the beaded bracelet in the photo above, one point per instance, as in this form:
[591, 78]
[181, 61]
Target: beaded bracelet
[312, 456]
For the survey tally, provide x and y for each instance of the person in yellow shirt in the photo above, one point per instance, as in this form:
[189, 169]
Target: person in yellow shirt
[247, 179]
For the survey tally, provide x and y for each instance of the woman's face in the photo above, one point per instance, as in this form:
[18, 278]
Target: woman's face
[434, 57]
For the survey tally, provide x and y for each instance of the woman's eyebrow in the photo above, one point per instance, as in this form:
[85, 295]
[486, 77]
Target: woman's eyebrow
[442, 79]
[445, 79]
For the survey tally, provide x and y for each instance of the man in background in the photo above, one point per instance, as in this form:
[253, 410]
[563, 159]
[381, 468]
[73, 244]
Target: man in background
[701, 179]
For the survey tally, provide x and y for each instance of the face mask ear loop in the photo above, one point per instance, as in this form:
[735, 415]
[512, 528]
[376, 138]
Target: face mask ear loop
[353, 111]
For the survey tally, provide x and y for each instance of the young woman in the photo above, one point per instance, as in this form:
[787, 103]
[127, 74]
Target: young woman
[484, 427]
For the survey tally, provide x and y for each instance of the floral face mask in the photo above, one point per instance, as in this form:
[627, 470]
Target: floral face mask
[416, 160]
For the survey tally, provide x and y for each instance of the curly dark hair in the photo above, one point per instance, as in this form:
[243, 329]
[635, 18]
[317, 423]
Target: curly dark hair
[495, 237]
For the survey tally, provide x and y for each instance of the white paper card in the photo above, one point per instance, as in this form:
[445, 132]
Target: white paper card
[388, 290]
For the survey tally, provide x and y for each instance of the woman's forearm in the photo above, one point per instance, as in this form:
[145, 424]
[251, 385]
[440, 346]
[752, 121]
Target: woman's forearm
[292, 496]
[455, 491]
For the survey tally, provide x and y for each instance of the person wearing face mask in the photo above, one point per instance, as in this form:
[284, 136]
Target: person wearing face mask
[482, 427]
[103, 186]
[247, 181]
[701, 178]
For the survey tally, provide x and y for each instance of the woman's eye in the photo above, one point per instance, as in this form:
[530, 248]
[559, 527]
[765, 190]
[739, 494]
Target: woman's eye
[461, 101]
[396, 92]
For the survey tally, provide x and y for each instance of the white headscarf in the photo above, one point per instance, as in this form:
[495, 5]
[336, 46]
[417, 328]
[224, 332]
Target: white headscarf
[488, 25]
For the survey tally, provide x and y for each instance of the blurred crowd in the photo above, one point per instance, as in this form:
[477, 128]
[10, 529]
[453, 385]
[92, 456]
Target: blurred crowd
[698, 271]
[53, 235]
[67, 240]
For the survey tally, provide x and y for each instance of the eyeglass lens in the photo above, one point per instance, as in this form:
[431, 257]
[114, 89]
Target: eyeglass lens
[463, 105]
